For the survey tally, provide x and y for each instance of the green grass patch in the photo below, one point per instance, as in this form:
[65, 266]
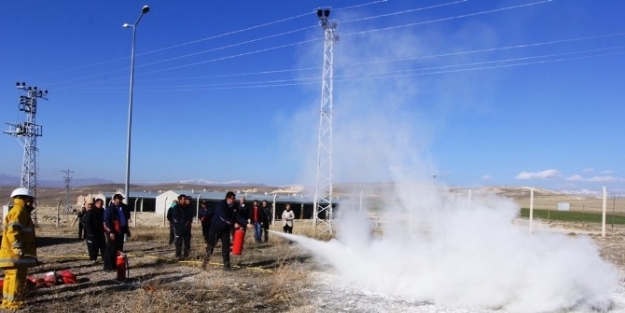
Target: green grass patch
[573, 216]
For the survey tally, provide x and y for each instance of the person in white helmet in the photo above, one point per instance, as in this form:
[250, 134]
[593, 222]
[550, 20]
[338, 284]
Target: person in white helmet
[17, 251]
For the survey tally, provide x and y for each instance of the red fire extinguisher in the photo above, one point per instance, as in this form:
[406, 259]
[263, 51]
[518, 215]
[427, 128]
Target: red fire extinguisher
[237, 243]
[123, 270]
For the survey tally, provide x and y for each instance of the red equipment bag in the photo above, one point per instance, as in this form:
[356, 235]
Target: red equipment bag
[237, 243]
[67, 277]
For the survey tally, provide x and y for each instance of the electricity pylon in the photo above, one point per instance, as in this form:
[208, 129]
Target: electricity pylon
[322, 215]
[27, 132]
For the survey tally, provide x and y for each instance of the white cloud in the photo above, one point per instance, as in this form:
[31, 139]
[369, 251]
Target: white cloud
[487, 177]
[604, 179]
[588, 170]
[546, 174]
[607, 172]
[574, 178]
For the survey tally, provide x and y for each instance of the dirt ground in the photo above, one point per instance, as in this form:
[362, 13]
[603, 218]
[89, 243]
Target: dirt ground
[268, 277]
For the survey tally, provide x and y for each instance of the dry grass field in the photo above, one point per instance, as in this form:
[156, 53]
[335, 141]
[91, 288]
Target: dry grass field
[268, 277]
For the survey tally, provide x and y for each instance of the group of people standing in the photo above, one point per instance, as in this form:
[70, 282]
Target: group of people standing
[105, 229]
[220, 222]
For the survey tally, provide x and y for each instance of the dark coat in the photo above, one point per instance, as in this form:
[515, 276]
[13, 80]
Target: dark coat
[94, 222]
[206, 215]
[111, 219]
[242, 211]
[225, 216]
[262, 217]
[181, 216]
[267, 217]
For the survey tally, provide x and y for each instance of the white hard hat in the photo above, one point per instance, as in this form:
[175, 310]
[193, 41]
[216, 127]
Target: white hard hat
[21, 192]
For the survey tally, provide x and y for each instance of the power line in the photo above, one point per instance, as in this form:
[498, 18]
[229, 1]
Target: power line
[359, 5]
[510, 47]
[228, 46]
[403, 12]
[248, 41]
[203, 39]
[519, 46]
[398, 73]
[449, 18]
[232, 56]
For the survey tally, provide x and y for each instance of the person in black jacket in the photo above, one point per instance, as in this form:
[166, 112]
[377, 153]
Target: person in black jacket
[81, 224]
[205, 215]
[94, 229]
[224, 219]
[268, 220]
[181, 219]
[171, 227]
[116, 218]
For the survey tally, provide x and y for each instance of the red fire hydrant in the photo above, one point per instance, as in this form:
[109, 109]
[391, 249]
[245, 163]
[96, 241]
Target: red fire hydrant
[123, 270]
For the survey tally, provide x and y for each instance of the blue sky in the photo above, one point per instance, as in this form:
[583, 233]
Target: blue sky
[516, 92]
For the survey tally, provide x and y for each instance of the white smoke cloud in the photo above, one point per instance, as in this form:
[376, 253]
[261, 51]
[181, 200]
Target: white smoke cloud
[487, 177]
[546, 174]
[444, 248]
[435, 245]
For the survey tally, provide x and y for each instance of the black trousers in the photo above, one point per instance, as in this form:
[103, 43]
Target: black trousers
[81, 231]
[183, 241]
[110, 253]
[171, 234]
[205, 231]
[96, 244]
[222, 234]
[288, 229]
[265, 234]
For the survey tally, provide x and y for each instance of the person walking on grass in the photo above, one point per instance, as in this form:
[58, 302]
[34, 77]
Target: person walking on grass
[224, 220]
[116, 217]
[17, 251]
[287, 217]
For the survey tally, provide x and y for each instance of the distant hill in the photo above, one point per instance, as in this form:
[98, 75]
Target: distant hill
[9, 180]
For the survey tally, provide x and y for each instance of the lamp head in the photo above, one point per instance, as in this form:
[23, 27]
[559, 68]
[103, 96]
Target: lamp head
[126, 25]
[145, 9]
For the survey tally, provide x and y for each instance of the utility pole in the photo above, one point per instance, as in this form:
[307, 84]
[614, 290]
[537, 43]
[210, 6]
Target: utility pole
[67, 179]
[323, 188]
[27, 132]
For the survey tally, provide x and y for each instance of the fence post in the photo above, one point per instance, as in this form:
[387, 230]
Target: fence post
[603, 214]
[531, 208]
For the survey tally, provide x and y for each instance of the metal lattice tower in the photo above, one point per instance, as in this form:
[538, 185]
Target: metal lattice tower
[68, 180]
[27, 132]
[322, 215]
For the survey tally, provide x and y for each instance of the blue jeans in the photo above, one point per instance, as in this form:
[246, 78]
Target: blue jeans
[258, 231]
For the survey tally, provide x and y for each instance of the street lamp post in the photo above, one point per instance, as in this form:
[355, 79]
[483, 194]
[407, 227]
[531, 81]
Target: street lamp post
[145, 10]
